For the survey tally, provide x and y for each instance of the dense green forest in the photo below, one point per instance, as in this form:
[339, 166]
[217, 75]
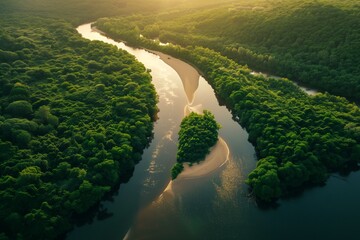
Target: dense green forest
[299, 139]
[198, 133]
[315, 43]
[75, 117]
[78, 12]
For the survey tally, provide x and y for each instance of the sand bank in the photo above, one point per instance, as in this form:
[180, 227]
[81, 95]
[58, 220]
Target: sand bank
[188, 74]
[217, 157]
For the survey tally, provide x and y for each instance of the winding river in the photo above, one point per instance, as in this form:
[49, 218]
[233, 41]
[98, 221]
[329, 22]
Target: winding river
[211, 203]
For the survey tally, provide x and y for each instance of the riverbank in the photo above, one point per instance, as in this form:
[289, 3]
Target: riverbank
[217, 157]
[187, 73]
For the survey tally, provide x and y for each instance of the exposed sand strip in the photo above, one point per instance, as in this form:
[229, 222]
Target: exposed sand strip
[218, 155]
[188, 74]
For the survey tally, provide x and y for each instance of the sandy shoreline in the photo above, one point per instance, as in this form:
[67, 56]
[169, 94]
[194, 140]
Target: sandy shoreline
[187, 73]
[217, 157]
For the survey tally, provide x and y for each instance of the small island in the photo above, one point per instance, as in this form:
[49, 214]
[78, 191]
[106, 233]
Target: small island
[198, 133]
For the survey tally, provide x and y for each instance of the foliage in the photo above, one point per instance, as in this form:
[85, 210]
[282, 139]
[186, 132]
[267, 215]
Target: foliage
[176, 170]
[78, 12]
[70, 126]
[198, 133]
[21, 109]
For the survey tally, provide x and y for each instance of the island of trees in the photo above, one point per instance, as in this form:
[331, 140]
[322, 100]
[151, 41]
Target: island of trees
[198, 133]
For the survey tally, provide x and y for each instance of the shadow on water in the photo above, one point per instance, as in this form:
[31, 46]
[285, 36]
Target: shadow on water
[99, 211]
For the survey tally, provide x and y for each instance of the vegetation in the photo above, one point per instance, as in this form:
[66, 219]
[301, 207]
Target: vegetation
[75, 117]
[79, 12]
[315, 43]
[76, 12]
[176, 170]
[198, 133]
[298, 138]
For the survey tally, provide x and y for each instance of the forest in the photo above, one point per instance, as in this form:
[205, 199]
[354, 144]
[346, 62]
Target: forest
[198, 133]
[299, 139]
[75, 117]
[314, 43]
[79, 12]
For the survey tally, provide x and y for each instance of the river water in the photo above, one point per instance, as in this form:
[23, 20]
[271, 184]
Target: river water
[215, 206]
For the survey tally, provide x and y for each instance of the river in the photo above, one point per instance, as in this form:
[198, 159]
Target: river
[216, 205]
[309, 91]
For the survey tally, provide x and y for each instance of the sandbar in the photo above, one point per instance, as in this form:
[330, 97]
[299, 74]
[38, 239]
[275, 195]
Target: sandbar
[187, 73]
[217, 157]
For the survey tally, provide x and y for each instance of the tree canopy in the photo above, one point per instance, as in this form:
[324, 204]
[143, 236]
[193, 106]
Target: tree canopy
[71, 127]
[198, 133]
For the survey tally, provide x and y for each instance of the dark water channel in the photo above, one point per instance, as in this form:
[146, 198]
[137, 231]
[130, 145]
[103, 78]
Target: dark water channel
[217, 205]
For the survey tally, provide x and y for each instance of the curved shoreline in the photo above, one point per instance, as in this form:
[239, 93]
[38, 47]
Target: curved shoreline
[217, 157]
[189, 76]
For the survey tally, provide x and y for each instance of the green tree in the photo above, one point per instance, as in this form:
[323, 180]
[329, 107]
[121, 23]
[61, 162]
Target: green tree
[176, 170]
[20, 108]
